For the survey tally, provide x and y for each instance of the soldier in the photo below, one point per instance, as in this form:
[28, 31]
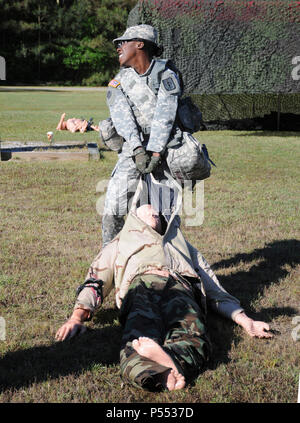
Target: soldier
[162, 286]
[142, 99]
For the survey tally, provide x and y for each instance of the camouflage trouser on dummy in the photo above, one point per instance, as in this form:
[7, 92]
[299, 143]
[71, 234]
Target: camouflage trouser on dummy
[166, 311]
[121, 188]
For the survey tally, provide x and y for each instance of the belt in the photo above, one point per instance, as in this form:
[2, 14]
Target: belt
[146, 129]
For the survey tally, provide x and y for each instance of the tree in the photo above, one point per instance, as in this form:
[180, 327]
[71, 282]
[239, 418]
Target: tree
[61, 40]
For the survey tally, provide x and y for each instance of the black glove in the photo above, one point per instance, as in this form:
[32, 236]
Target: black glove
[154, 162]
[141, 159]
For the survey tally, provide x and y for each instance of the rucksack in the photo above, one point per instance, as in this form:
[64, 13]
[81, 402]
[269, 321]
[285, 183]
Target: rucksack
[189, 160]
[189, 117]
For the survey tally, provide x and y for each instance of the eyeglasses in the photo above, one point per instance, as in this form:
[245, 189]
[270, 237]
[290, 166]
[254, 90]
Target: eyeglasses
[120, 43]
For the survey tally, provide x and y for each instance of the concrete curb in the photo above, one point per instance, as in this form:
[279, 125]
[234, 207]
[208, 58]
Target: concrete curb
[19, 148]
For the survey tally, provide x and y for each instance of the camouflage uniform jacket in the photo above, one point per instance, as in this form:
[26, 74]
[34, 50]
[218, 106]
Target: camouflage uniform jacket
[145, 105]
[138, 249]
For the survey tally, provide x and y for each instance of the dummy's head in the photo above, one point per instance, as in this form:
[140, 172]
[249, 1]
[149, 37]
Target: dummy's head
[150, 216]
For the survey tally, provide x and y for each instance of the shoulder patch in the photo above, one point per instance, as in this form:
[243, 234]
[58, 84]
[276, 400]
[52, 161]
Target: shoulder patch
[169, 84]
[114, 83]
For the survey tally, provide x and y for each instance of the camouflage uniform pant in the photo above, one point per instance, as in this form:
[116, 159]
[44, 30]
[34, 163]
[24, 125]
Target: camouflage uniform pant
[166, 311]
[121, 189]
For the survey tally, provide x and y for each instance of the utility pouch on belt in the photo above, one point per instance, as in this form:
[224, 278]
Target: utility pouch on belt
[189, 116]
[188, 161]
[109, 135]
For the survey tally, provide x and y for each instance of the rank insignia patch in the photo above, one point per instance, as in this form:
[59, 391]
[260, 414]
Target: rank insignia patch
[114, 83]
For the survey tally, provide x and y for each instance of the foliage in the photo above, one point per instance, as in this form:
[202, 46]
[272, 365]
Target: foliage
[61, 40]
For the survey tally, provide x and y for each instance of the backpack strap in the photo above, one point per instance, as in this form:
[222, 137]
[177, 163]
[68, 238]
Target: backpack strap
[159, 67]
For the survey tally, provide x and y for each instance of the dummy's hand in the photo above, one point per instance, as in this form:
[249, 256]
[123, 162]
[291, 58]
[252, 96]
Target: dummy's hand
[256, 328]
[154, 162]
[141, 159]
[69, 329]
[253, 327]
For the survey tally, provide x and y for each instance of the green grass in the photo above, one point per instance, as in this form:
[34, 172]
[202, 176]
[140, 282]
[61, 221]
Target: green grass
[29, 115]
[50, 232]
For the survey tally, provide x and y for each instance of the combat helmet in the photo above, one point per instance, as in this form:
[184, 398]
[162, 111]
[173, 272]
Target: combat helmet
[141, 32]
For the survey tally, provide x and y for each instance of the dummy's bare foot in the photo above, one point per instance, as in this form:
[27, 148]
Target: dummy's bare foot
[180, 381]
[148, 348]
[172, 380]
[60, 123]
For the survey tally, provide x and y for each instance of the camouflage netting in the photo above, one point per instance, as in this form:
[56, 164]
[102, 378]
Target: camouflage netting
[239, 59]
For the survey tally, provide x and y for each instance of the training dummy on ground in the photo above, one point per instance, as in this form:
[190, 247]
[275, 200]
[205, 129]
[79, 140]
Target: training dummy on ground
[163, 286]
[75, 124]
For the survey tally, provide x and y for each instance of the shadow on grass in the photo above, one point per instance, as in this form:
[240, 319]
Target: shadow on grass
[102, 346]
[33, 365]
[269, 267]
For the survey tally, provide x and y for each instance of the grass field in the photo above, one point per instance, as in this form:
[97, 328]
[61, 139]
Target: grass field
[29, 114]
[50, 231]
